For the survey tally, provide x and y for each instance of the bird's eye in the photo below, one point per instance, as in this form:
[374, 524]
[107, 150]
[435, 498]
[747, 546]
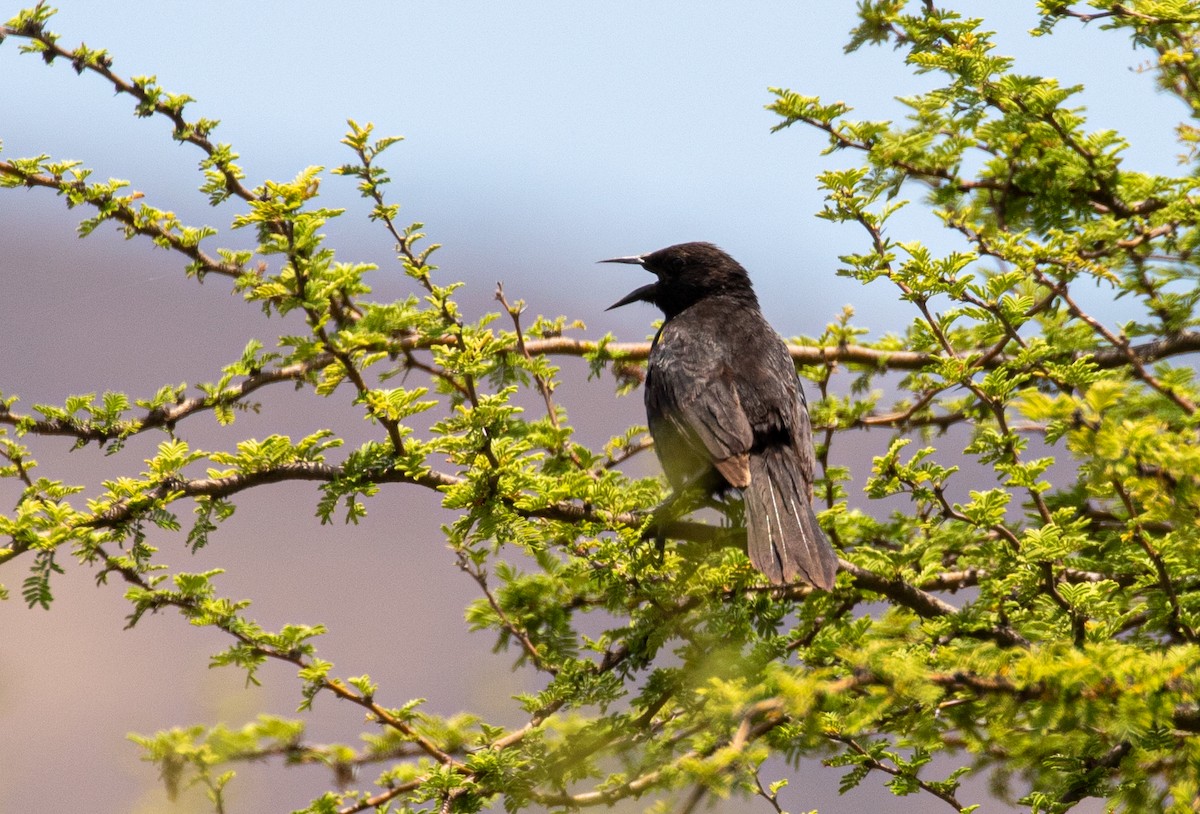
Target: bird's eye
[672, 266]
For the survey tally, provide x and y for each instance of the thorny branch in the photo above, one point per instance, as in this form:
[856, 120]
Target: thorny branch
[544, 386]
[920, 598]
[1185, 342]
[121, 209]
[920, 601]
[195, 133]
[477, 573]
[874, 763]
[190, 607]
[1178, 626]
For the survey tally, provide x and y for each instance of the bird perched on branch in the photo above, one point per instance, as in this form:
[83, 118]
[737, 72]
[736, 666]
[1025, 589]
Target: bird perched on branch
[726, 410]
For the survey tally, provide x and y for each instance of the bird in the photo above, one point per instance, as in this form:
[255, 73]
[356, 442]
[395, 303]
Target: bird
[726, 410]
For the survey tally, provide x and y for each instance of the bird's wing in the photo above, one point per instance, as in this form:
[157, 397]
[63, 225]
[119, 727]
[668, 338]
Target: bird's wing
[692, 397]
[715, 416]
[774, 401]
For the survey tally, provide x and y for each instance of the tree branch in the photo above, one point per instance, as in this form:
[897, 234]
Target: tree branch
[149, 97]
[873, 763]
[120, 208]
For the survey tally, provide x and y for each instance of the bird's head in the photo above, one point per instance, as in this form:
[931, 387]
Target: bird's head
[687, 273]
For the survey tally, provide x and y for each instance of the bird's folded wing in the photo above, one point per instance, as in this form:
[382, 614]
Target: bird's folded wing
[715, 418]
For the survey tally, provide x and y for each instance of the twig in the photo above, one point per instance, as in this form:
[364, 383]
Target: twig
[544, 386]
[771, 797]
[628, 451]
[191, 608]
[477, 573]
[1176, 622]
[873, 763]
[191, 132]
[120, 209]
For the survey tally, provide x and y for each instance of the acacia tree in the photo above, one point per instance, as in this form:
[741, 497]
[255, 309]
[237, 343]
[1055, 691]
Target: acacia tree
[1044, 631]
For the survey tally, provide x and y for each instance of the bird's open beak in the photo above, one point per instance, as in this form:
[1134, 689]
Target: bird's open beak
[643, 294]
[633, 260]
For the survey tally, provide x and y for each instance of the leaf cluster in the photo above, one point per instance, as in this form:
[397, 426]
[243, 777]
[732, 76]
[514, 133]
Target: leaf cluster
[1018, 591]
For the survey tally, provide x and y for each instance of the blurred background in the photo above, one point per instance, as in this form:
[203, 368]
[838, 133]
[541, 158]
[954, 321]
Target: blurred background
[540, 137]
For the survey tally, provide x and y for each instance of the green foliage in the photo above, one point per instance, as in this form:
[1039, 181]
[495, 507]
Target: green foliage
[1020, 595]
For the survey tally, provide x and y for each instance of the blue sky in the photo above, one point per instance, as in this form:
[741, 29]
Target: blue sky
[540, 136]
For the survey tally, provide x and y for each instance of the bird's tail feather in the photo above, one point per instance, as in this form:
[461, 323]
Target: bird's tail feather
[783, 538]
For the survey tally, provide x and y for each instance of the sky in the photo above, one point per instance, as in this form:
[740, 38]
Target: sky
[539, 137]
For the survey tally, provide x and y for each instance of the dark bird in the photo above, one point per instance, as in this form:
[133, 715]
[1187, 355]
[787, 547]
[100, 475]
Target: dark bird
[726, 410]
